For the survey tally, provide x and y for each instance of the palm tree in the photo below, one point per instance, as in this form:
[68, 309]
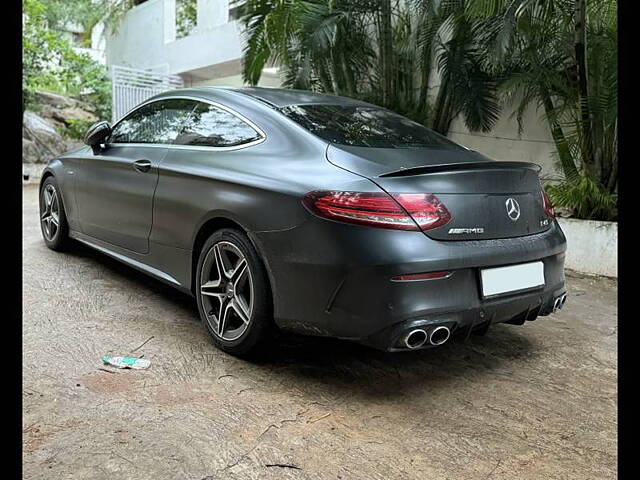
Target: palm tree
[557, 54]
[562, 56]
[466, 87]
[381, 51]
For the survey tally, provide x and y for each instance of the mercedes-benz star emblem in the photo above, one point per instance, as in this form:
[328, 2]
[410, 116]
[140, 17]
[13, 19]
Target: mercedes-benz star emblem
[513, 209]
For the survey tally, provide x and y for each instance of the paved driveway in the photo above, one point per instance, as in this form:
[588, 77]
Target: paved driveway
[532, 401]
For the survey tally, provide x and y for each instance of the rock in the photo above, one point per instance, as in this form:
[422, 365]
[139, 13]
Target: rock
[55, 100]
[62, 117]
[61, 112]
[43, 132]
[30, 153]
[74, 113]
[60, 102]
[44, 138]
[49, 114]
[31, 121]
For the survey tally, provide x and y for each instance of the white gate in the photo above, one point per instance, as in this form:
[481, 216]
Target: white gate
[131, 86]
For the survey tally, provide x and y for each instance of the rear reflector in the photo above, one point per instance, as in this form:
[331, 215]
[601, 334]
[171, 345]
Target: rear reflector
[399, 211]
[420, 276]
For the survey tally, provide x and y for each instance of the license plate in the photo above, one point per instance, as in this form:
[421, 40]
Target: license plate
[496, 281]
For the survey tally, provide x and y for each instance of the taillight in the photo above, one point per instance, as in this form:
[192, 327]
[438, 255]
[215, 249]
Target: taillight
[400, 211]
[548, 207]
[425, 208]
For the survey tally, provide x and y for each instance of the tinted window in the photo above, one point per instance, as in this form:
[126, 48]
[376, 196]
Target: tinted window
[157, 122]
[210, 126]
[365, 127]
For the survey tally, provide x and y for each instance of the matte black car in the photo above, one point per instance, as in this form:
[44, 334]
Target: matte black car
[313, 213]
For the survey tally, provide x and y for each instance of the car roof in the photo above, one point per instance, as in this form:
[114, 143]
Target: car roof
[282, 97]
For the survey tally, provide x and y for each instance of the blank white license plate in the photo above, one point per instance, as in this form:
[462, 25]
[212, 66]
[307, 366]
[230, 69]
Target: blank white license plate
[496, 281]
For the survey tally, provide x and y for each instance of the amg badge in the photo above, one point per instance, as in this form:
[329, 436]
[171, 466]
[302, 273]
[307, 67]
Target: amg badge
[458, 231]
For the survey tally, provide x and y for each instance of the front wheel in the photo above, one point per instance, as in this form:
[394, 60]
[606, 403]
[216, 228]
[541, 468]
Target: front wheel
[233, 294]
[53, 221]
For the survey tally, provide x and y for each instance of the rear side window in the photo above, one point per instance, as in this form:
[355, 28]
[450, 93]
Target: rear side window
[365, 127]
[157, 122]
[210, 126]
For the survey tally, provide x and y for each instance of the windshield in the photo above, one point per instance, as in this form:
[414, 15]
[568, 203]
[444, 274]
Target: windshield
[360, 126]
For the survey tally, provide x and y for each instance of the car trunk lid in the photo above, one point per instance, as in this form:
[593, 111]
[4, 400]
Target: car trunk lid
[487, 199]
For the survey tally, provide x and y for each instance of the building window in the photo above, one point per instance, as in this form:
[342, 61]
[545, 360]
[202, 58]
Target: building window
[236, 9]
[186, 17]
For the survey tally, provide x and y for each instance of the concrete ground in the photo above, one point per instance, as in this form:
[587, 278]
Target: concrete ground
[532, 401]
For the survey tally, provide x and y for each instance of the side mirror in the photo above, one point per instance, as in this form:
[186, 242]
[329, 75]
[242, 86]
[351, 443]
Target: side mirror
[97, 134]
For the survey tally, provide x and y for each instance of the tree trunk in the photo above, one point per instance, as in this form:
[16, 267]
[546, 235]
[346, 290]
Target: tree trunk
[336, 72]
[386, 49]
[325, 80]
[425, 75]
[448, 115]
[612, 180]
[438, 110]
[566, 159]
[348, 75]
[580, 40]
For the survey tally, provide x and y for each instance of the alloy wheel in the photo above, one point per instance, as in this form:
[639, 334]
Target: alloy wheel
[226, 291]
[50, 217]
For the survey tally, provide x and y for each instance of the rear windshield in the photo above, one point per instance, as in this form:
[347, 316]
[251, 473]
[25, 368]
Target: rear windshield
[360, 126]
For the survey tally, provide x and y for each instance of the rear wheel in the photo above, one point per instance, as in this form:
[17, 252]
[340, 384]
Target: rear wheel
[233, 294]
[53, 221]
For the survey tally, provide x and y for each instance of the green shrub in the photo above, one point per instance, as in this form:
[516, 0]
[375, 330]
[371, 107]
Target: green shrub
[77, 128]
[585, 199]
[49, 63]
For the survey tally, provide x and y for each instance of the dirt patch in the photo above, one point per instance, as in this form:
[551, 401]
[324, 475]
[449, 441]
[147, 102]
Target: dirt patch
[37, 434]
[116, 382]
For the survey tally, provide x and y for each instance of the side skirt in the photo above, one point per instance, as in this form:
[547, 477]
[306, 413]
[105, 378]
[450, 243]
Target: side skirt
[129, 259]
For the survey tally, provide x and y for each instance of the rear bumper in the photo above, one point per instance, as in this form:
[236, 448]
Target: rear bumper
[333, 279]
[515, 309]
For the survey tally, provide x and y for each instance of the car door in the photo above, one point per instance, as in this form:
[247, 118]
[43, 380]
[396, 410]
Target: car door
[116, 184]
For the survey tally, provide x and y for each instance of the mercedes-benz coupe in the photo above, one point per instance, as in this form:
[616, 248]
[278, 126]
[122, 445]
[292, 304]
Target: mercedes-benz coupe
[312, 213]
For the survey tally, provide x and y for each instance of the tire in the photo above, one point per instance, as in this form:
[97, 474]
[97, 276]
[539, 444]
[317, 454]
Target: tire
[53, 220]
[241, 297]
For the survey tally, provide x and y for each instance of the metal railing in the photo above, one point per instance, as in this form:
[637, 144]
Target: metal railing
[132, 86]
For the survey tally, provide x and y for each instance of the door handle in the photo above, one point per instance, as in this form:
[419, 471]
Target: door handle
[142, 165]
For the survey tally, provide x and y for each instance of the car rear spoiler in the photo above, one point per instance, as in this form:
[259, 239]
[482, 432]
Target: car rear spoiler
[448, 167]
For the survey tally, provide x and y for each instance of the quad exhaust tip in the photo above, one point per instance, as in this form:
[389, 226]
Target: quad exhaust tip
[415, 338]
[418, 337]
[439, 335]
